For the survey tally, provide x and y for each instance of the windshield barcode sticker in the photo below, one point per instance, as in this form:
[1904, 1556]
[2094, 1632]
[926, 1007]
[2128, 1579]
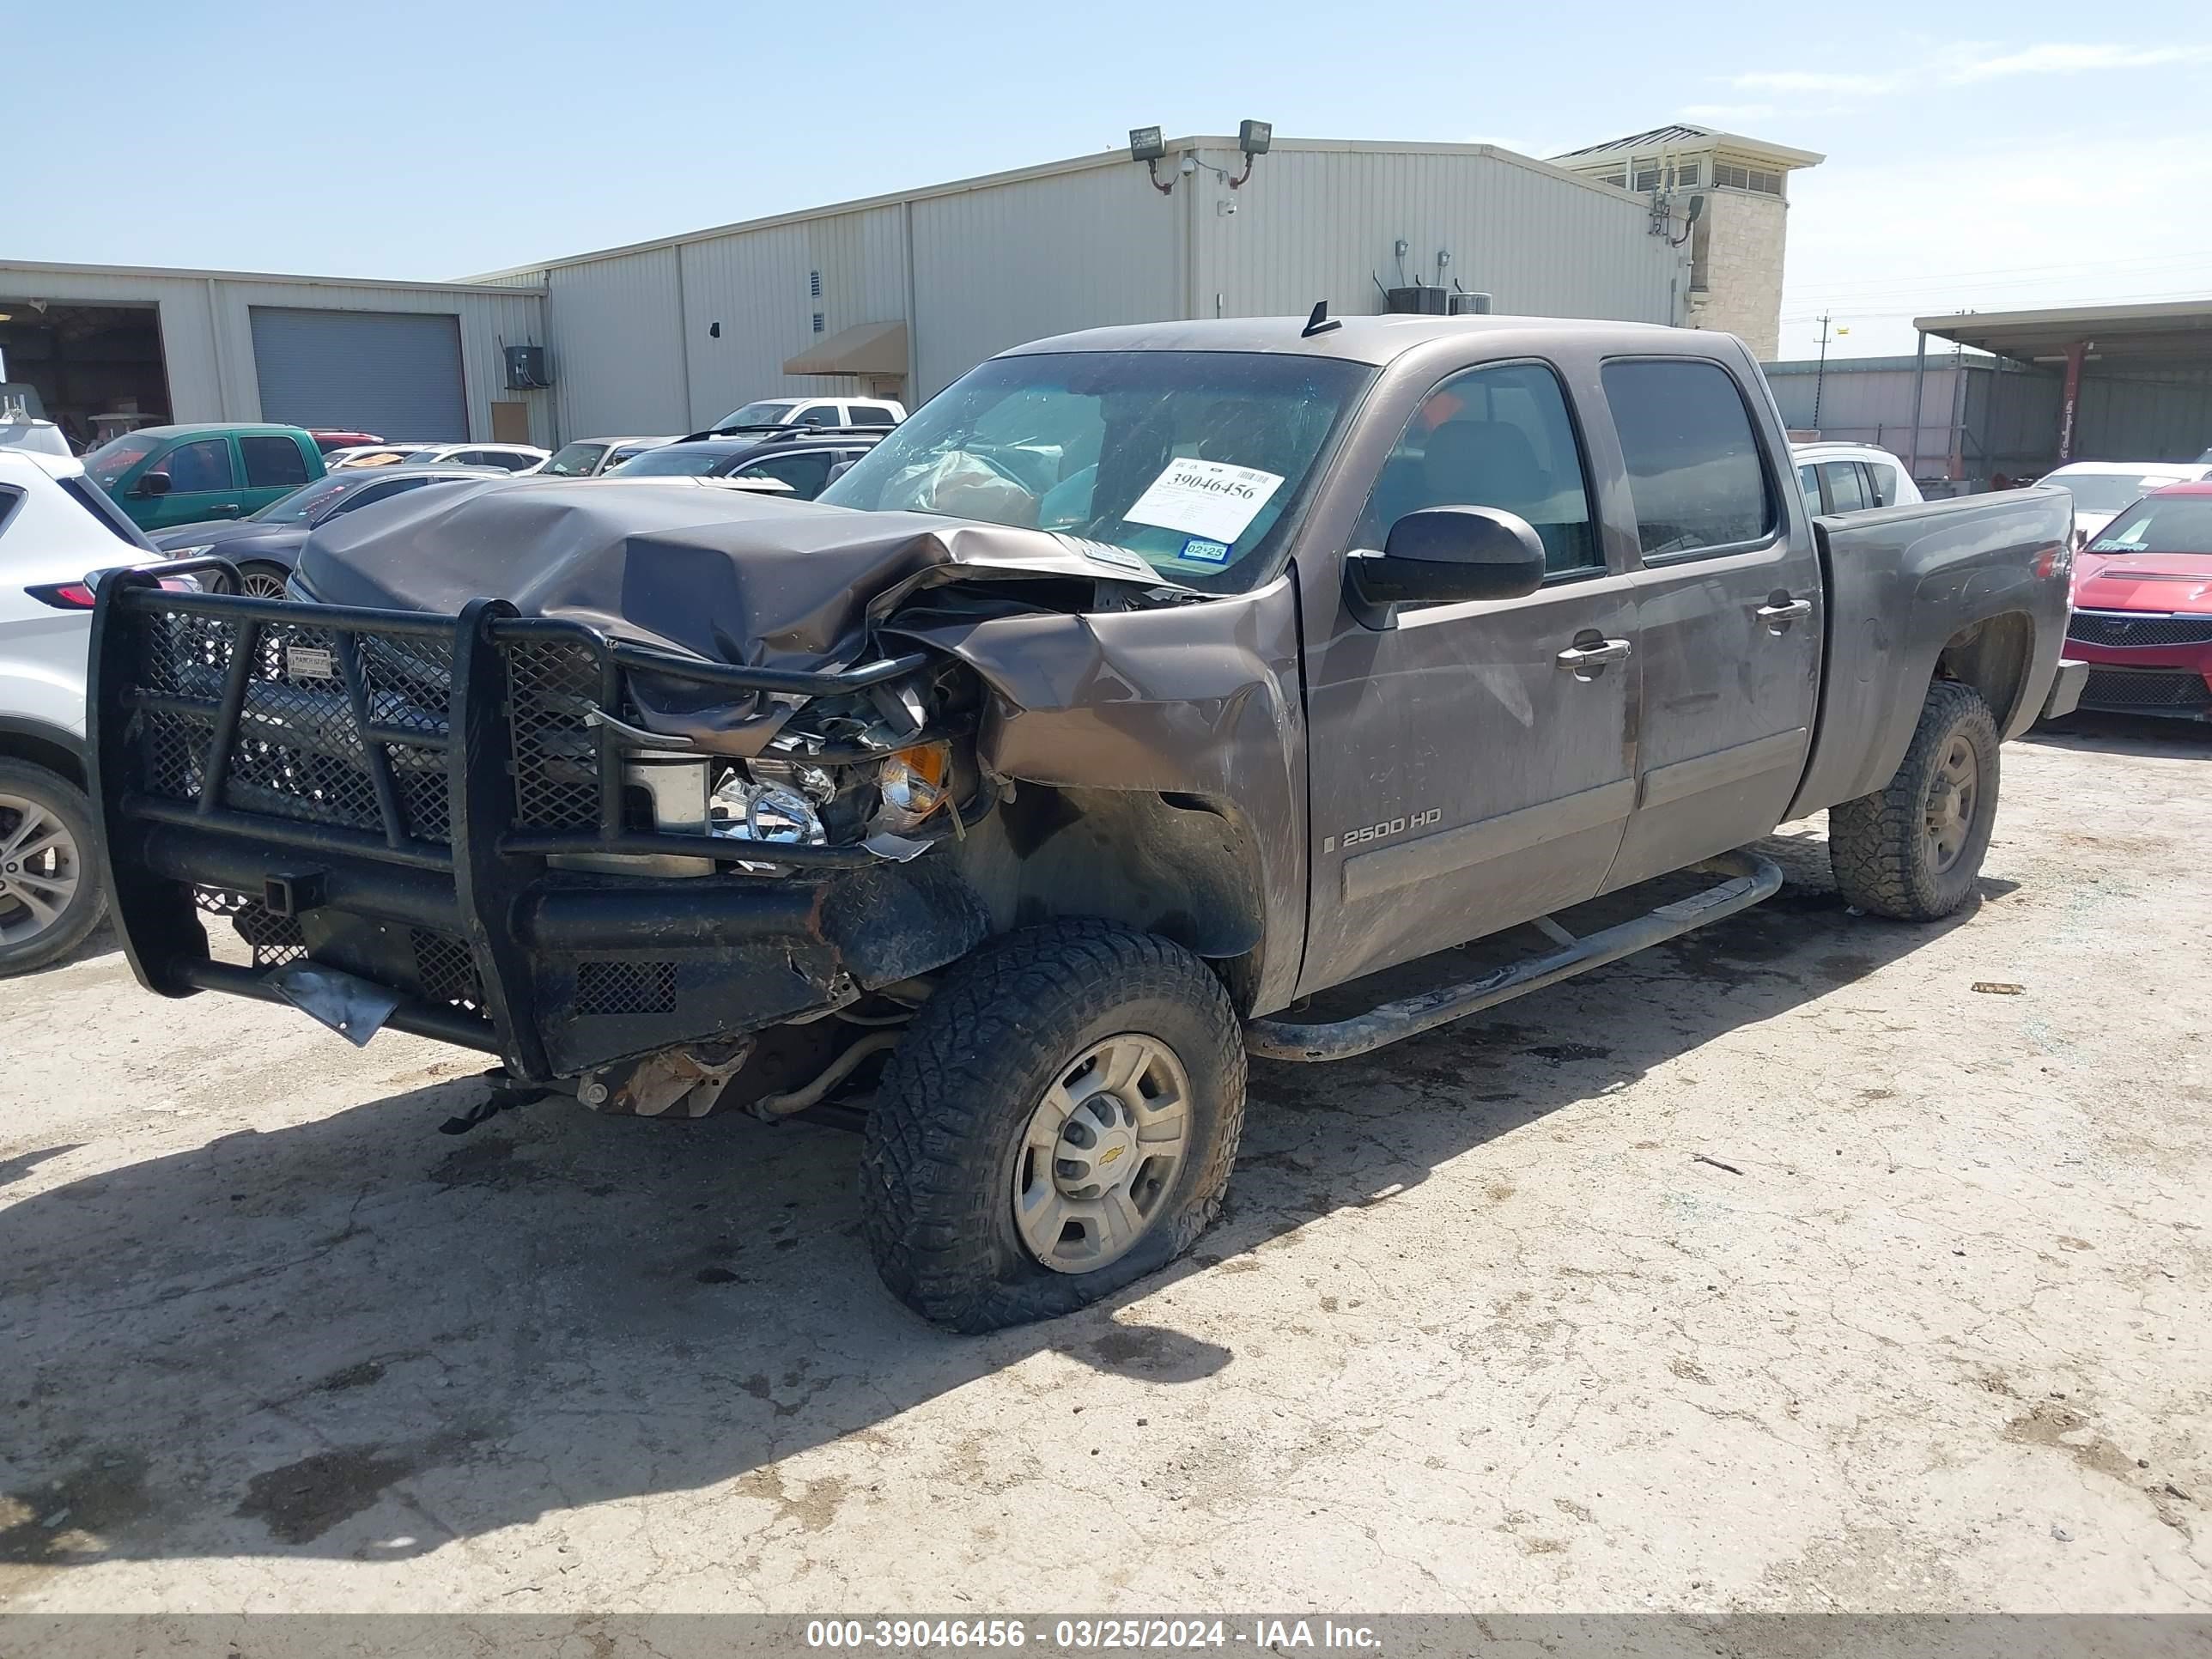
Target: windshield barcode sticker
[1205, 498]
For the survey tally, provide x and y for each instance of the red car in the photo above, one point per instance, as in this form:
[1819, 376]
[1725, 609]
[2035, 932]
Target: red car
[327, 439]
[2143, 607]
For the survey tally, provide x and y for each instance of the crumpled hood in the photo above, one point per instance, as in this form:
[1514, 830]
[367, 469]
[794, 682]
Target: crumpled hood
[2163, 582]
[696, 568]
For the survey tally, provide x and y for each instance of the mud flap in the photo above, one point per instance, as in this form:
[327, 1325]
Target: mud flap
[2066, 687]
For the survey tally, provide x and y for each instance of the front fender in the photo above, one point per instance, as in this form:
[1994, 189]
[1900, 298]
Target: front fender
[1174, 739]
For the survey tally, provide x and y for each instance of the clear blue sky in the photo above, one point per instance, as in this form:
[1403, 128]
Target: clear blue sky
[1980, 155]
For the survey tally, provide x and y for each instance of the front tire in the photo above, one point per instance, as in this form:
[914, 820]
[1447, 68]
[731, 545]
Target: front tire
[1912, 850]
[50, 894]
[1058, 1121]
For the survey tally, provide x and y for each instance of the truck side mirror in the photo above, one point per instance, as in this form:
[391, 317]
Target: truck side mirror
[1448, 555]
[152, 484]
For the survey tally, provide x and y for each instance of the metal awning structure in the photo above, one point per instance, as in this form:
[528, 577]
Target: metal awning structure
[2179, 335]
[2079, 339]
[864, 349]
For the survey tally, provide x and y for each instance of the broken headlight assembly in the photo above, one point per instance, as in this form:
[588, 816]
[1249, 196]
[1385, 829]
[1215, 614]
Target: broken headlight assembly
[772, 800]
[911, 786]
[840, 774]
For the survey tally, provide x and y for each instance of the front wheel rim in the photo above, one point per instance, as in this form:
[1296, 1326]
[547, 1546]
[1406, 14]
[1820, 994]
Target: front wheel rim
[1951, 803]
[40, 869]
[261, 584]
[1101, 1153]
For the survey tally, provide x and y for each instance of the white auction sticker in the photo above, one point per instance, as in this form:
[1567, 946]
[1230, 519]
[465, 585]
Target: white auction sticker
[1205, 498]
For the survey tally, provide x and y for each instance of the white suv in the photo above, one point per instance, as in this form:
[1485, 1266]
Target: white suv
[815, 411]
[1837, 478]
[57, 531]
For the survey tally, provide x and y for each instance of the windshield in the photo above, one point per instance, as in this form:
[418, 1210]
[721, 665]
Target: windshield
[304, 502]
[2107, 492]
[675, 460]
[772, 413]
[2172, 524]
[1192, 460]
[574, 460]
[116, 457]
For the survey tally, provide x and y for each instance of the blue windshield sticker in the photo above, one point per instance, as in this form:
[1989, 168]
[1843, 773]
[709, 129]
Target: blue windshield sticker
[1199, 550]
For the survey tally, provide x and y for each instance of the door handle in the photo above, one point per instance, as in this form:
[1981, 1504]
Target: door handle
[1579, 658]
[224, 506]
[1779, 616]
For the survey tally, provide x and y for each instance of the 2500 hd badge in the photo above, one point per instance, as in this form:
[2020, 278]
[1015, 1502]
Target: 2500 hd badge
[1367, 832]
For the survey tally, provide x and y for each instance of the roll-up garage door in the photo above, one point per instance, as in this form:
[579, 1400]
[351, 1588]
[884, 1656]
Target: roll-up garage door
[395, 373]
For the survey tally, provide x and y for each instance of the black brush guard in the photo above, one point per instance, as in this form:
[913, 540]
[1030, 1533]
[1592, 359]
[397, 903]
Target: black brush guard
[387, 794]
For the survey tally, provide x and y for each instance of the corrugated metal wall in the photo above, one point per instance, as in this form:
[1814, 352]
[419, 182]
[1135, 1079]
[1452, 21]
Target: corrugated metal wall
[617, 356]
[1323, 224]
[995, 266]
[757, 285]
[2139, 414]
[1871, 406]
[2009, 423]
[2005, 417]
[207, 332]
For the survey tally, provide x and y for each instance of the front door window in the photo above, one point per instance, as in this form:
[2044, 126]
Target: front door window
[199, 466]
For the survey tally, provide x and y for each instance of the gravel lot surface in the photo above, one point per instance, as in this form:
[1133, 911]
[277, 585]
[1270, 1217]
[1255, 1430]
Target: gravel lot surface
[1811, 1262]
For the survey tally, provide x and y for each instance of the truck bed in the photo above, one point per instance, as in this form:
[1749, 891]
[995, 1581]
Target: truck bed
[1981, 578]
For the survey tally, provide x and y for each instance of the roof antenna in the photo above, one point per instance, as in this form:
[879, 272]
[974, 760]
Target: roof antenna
[1320, 323]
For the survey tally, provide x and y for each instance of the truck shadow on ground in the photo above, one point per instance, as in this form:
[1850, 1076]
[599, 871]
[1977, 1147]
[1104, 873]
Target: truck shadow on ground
[356, 1337]
[2094, 731]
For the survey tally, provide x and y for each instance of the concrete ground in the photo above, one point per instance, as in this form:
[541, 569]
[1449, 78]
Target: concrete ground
[1813, 1263]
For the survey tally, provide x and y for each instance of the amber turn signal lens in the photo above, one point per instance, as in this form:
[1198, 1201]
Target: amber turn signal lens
[912, 782]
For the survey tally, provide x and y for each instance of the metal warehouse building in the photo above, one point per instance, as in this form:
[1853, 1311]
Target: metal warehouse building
[894, 296]
[418, 360]
[900, 295]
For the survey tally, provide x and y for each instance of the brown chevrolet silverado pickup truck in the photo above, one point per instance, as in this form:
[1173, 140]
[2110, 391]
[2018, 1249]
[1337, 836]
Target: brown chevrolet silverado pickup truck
[1145, 685]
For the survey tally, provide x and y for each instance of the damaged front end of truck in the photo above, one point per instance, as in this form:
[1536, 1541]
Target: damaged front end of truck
[691, 812]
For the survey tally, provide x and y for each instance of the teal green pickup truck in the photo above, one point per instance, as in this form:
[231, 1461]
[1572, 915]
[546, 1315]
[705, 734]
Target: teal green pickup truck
[164, 475]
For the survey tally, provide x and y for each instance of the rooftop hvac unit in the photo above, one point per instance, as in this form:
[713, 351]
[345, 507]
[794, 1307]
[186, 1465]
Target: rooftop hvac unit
[1416, 301]
[1470, 305]
[525, 369]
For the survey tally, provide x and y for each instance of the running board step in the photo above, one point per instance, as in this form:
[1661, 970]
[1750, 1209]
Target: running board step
[1751, 878]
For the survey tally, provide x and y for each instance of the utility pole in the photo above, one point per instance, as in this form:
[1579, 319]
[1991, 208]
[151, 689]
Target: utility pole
[1820, 376]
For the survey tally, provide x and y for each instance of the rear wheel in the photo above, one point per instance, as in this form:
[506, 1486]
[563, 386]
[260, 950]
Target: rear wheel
[50, 898]
[1912, 850]
[1058, 1121]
